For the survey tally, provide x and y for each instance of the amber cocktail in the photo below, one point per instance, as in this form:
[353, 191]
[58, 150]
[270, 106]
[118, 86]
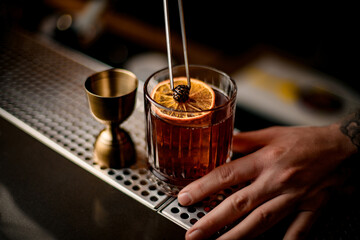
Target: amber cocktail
[187, 140]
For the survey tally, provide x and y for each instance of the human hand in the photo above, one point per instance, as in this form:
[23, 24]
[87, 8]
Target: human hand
[290, 170]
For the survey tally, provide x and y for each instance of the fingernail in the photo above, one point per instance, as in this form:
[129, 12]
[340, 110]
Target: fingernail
[184, 198]
[193, 235]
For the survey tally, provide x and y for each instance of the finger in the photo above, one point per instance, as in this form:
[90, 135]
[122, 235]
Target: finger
[300, 227]
[235, 172]
[231, 209]
[262, 218]
[247, 142]
[310, 210]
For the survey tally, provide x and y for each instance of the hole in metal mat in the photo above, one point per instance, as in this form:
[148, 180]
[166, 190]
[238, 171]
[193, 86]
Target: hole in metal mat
[119, 177]
[193, 221]
[175, 210]
[145, 193]
[184, 216]
[154, 199]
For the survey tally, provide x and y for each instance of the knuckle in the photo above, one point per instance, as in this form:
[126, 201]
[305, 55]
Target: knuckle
[264, 218]
[276, 152]
[239, 203]
[226, 176]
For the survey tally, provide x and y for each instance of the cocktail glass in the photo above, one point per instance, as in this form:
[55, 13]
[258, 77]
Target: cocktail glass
[181, 151]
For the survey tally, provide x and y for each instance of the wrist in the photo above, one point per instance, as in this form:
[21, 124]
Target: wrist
[350, 127]
[344, 139]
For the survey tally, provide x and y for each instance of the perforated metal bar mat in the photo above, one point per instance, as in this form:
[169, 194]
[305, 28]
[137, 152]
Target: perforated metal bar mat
[41, 91]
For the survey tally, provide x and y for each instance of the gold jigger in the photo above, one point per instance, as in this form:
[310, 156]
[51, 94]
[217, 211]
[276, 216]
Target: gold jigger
[111, 95]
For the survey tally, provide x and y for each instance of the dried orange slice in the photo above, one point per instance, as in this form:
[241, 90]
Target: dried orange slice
[201, 97]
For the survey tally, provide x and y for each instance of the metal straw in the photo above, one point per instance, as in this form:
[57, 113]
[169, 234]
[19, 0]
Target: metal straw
[168, 42]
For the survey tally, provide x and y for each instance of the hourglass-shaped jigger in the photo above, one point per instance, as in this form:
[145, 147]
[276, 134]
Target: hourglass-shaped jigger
[111, 95]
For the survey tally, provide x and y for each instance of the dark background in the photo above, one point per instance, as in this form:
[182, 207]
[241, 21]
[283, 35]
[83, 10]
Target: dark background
[319, 35]
[221, 34]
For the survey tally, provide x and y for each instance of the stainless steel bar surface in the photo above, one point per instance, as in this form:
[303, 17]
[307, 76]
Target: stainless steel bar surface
[41, 92]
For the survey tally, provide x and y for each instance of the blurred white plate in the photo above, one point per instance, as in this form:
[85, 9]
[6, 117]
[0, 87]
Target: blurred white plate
[288, 93]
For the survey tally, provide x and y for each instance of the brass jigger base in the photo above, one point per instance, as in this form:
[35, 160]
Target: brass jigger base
[114, 148]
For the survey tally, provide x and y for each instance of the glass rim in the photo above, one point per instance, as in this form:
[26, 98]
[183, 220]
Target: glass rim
[229, 101]
[106, 74]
